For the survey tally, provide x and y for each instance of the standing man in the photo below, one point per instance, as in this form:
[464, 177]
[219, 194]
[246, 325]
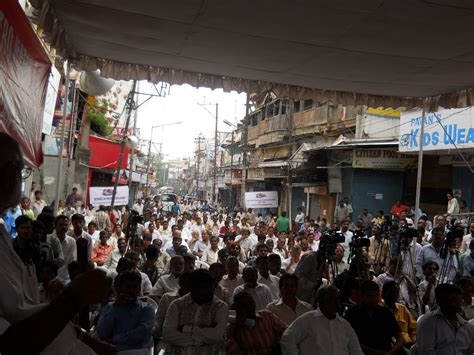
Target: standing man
[38, 203]
[283, 223]
[341, 212]
[453, 205]
[25, 208]
[299, 219]
[102, 219]
[73, 197]
[78, 232]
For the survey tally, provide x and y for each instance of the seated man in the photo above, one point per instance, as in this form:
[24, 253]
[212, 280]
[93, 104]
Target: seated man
[170, 282]
[260, 293]
[196, 322]
[289, 307]
[252, 332]
[406, 321]
[374, 325]
[444, 331]
[127, 323]
[321, 331]
[101, 250]
[165, 301]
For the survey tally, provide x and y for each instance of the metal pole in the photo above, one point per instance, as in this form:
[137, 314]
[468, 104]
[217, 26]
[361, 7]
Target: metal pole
[216, 143]
[244, 142]
[61, 141]
[130, 107]
[131, 162]
[291, 108]
[232, 172]
[420, 167]
[148, 163]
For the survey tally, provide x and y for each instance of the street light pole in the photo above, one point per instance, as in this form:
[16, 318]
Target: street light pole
[149, 151]
[130, 107]
[216, 143]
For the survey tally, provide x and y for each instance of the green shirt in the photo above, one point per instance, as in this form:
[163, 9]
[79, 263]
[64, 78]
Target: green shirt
[283, 224]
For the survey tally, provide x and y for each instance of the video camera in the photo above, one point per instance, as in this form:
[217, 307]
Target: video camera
[134, 219]
[358, 243]
[405, 237]
[328, 242]
[455, 233]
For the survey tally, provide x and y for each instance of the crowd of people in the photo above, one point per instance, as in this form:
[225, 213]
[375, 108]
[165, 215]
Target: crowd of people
[195, 281]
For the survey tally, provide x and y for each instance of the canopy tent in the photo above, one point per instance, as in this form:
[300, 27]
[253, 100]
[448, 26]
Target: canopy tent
[24, 72]
[387, 53]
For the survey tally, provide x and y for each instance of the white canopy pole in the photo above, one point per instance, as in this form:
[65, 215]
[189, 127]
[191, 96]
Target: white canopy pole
[420, 167]
[61, 141]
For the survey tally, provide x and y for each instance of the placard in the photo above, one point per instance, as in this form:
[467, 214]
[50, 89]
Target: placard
[261, 199]
[103, 196]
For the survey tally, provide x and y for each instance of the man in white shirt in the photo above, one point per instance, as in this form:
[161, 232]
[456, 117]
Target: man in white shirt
[196, 323]
[170, 282]
[348, 238]
[246, 241]
[467, 239]
[113, 258]
[321, 331]
[265, 278]
[443, 331]
[38, 203]
[68, 246]
[233, 278]
[78, 223]
[138, 207]
[299, 219]
[289, 307]
[271, 235]
[260, 293]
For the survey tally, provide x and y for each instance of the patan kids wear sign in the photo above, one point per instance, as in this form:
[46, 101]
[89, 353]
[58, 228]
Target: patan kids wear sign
[445, 129]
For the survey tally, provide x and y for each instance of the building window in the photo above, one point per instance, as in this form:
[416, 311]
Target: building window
[276, 108]
[284, 107]
[253, 120]
[307, 104]
[297, 106]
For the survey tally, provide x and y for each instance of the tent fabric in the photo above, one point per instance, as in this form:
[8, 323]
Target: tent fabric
[386, 53]
[24, 72]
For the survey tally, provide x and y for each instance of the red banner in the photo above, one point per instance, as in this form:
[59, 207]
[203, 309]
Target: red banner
[105, 154]
[24, 68]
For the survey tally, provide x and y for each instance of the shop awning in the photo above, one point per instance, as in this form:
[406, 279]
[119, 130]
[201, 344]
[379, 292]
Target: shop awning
[387, 53]
[273, 164]
[300, 156]
[24, 72]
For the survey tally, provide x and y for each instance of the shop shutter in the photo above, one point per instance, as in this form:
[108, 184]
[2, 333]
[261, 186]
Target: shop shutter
[367, 185]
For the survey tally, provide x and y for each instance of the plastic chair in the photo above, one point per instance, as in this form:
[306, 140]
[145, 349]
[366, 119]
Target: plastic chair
[151, 302]
[149, 351]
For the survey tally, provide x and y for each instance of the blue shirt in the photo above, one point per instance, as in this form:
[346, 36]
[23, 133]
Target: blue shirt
[175, 209]
[10, 218]
[467, 264]
[129, 326]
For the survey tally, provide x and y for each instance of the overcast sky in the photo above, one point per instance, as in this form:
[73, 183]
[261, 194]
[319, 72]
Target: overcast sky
[182, 105]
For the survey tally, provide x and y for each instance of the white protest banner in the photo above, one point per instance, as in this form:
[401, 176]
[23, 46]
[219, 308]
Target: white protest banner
[261, 199]
[103, 196]
[441, 130]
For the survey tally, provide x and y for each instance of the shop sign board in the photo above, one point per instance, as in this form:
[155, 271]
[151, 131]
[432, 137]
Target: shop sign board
[456, 160]
[382, 159]
[103, 195]
[445, 129]
[261, 199]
